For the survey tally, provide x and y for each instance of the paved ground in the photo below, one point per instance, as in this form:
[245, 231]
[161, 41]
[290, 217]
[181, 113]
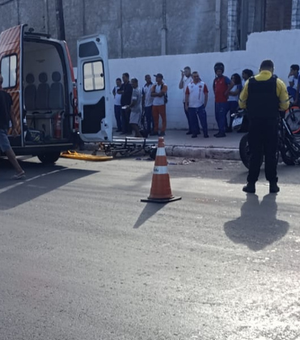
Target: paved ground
[82, 258]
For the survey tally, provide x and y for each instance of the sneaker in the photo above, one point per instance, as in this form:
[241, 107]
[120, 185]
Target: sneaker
[220, 135]
[188, 133]
[206, 136]
[249, 188]
[194, 136]
[274, 188]
[20, 175]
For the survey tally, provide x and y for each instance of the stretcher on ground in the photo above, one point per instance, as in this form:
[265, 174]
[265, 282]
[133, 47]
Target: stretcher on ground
[84, 157]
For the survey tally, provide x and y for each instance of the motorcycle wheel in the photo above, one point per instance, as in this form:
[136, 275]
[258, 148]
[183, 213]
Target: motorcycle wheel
[245, 151]
[293, 121]
[286, 156]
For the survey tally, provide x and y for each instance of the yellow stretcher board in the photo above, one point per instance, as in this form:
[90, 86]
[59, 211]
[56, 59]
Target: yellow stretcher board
[84, 157]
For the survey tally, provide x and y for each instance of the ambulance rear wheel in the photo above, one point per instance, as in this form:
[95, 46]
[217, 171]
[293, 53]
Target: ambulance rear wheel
[49, 157]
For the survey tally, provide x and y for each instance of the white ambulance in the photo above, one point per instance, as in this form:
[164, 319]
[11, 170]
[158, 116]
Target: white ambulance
[51, 109]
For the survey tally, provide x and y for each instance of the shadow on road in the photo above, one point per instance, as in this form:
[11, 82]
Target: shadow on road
[150, 210]
[40, 179]
[257, 227]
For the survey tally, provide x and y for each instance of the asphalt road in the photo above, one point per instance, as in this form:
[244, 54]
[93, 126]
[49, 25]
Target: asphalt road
[82, 258]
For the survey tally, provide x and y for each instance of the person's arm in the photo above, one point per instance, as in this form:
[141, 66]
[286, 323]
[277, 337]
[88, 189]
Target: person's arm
[133, 102]
[297, 91]
[244, 96]
[236, 92]
[121, 89]
[163, 91]
[153, 93]
[143, 99]
[181, 83]
[291, 81]
[230, 85]
[282, 94]
[205, 90]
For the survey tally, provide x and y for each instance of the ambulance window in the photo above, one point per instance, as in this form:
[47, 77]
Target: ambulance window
[88, 49]
[93, 76]
[9, 71]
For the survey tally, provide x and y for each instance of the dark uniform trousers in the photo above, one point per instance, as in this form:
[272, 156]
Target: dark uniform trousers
[263, 139]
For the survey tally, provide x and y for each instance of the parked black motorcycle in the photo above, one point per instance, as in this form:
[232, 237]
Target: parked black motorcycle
[288, 146]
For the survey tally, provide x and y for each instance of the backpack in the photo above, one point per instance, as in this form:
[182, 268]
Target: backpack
[166, 98]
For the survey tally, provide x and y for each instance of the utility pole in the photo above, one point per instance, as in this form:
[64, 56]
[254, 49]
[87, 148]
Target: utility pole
[244, 24]
[217, 46]
[60, 24]
[164, 29]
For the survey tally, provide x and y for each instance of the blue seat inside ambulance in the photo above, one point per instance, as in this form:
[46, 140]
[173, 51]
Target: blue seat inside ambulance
[56, 96]
[42, 95]
[30, 93]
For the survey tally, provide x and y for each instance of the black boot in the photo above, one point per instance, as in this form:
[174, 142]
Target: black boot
[249, 187]
[274, 188]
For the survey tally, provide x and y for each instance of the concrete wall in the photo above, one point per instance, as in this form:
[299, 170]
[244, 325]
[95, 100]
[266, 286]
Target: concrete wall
[133, 28]
[265, 45]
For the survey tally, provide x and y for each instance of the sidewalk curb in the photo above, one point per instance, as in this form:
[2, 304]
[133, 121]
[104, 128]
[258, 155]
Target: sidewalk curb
[202, 152]
[189, 151]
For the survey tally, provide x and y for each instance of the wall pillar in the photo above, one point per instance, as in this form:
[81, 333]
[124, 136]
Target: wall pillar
[218, 26]
[232, 15]
[295, 14]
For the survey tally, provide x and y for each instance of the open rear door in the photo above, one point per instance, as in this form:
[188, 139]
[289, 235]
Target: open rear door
[95, 111]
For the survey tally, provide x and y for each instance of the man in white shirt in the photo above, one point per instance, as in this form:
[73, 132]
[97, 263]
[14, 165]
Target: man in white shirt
[196, 96]
[147, 102]
[186, 78]
[117, 104]
[159, 91]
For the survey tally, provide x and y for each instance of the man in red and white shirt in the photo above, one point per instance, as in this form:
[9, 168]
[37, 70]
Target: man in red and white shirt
[196, 96]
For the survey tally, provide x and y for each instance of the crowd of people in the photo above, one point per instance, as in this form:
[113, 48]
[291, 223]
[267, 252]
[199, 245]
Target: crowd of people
[140, 110]
[143, 110]
[263, 95]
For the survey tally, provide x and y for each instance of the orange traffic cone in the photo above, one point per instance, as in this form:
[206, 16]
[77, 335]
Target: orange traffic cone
[160, 189]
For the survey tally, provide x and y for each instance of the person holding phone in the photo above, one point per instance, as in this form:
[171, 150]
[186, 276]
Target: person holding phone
[186, 78]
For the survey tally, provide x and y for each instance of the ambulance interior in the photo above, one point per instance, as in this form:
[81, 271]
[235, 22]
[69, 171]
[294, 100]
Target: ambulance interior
[45, 89]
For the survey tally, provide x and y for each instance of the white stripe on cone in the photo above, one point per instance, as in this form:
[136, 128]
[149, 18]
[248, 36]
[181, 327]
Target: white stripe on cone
[160, 170]
[161, 152]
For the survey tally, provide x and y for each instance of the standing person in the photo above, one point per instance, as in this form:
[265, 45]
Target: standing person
[293, 81]
[135, 108]
[196, 97]
[117, 104]
[186, 78]
[246, 74]
[221, 86]
[7, 114]
[159, 91]
[147, 102]
[263, 96]
[233, 98]
[126, 91]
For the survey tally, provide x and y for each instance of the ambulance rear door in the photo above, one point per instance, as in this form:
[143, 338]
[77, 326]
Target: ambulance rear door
[94, 107]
